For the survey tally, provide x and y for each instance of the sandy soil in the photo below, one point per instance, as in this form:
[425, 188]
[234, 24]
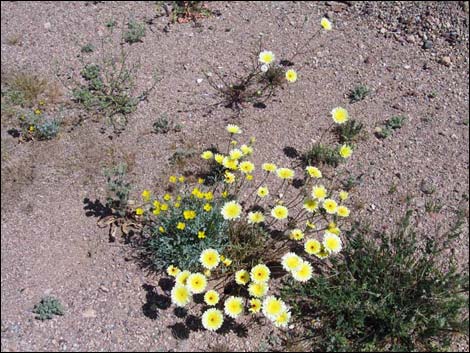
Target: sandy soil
[50, 247]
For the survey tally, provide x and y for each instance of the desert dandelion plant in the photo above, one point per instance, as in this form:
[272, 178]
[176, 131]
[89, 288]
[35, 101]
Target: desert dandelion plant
[244, 222]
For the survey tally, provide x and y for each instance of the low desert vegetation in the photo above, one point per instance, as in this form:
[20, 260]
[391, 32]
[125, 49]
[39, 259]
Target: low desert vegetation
[388, 291]
[47, 308]
[107, 84]
[278, 244]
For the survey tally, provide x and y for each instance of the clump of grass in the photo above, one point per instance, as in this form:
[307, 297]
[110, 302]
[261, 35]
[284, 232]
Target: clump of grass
[25, 88]
[164, 125]
[47, 308]
[358, 93]
[321, 154]
[394, 123]
[389, 292]
[14, 39]
[135, 32]
[349, 131]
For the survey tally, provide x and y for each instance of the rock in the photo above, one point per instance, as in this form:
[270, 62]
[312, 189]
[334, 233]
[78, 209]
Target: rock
[427, 186]
[445, 60]
[383, 30]
[104, 289]
[199, 81]
[410, 38]
[427, 44]
[89, 313]
[47, 25]
[465, 6]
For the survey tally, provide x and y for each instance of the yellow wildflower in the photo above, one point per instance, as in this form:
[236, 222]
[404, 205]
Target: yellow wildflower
[326, 24]
[291, 76]
[340, 115]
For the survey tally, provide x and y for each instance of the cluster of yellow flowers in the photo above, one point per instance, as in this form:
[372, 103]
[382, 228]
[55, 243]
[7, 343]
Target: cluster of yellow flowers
[314, 207]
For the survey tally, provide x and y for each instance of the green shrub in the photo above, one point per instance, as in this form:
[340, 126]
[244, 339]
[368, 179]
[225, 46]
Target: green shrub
[47, 308]
[390, 292]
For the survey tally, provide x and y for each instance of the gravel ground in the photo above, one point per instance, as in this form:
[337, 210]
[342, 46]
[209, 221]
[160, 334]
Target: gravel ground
[413, 56]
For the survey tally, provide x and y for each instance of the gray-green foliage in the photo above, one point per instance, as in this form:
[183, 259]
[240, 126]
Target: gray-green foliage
[39, 126]
[183, 247]
[164, 125]
[395, 122]
[47, 308]
[135, 32]
[118, 189]
[358, 93]
[388, 292]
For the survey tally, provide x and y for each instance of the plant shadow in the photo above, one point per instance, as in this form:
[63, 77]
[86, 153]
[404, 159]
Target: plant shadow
[154, 302]
[96, 208]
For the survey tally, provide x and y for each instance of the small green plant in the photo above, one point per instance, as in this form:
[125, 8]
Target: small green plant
[37, 125]
[181, 155]
[164, 125]
[321, 154]
[186, 11]
[393, 189]
[358, 93]
[111, 23]
[109, 89]
[135, 32]
[118, 189]
[88, 48]
[433, 206]
[389, 292]
[47, 308]
[352, 181]
[349, 131]
[395, 122]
